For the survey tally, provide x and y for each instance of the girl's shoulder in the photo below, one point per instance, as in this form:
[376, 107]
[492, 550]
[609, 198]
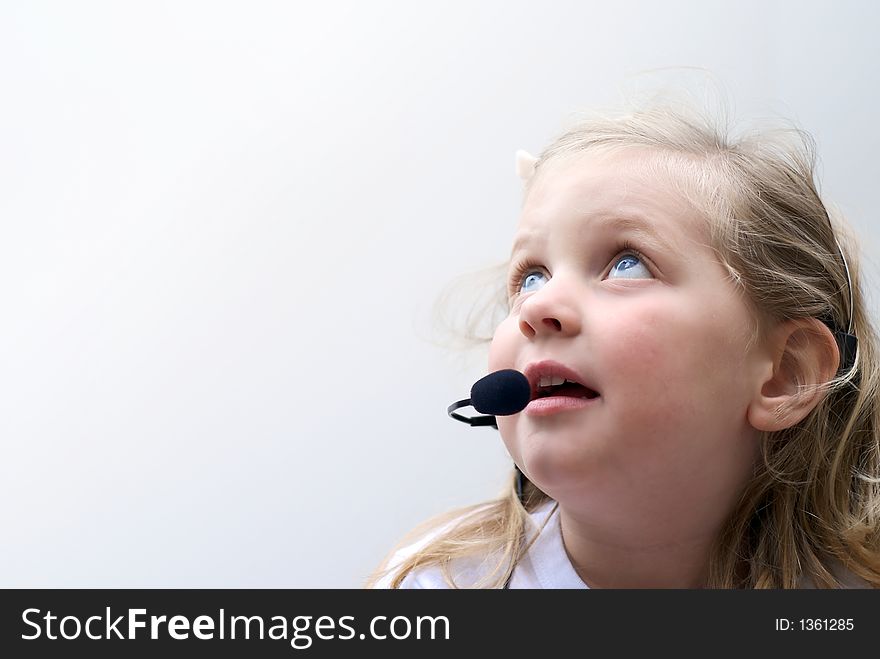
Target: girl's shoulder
[465, 571]
[424, 577]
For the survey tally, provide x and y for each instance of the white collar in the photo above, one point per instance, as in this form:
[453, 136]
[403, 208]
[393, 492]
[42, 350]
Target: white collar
[546, 561]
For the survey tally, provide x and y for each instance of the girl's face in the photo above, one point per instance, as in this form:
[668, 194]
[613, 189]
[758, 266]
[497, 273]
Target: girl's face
[619, 285]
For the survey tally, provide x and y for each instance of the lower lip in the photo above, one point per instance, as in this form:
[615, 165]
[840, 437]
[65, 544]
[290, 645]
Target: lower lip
[554, 404]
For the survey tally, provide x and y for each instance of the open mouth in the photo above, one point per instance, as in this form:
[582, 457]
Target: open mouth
[551, 379]
[566, 388]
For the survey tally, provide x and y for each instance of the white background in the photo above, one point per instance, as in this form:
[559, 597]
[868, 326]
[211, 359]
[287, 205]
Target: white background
[224, 226]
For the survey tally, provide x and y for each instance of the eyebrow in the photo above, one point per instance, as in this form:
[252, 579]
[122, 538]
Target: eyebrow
[633, 224]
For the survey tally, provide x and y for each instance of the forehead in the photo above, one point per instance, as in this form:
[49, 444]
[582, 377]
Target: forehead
[625, 189]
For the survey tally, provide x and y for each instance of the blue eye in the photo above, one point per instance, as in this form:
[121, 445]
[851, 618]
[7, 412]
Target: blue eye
[627, 267]
[530, 278]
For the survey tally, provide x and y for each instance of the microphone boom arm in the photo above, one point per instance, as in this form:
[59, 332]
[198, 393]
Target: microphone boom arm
[474, 421]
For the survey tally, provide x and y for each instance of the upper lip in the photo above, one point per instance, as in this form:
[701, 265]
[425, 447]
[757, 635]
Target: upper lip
[536, 370]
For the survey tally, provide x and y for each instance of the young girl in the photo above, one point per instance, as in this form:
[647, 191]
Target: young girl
[686, 312]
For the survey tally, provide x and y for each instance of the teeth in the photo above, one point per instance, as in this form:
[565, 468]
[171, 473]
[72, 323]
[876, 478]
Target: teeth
[550, 381]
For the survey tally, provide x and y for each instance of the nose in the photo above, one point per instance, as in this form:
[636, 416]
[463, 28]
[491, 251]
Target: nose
[550, 311]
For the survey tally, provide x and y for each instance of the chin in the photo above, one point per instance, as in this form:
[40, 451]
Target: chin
[553, 471]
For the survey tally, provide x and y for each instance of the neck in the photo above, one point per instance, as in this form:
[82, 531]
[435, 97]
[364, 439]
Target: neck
[618, 560]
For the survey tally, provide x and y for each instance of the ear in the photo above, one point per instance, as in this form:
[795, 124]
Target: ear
[804, 355]
[525, 165]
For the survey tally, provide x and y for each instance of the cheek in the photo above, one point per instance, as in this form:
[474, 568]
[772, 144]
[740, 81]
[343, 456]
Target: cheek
[642, 355]
[674, 365]
[502, 349]
[503, 352]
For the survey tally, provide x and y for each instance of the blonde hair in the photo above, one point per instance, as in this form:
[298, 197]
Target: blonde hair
[813, 503]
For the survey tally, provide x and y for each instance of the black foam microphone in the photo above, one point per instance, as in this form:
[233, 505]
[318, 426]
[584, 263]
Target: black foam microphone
[498, 394]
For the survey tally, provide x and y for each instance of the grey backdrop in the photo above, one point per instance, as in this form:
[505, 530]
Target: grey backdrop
[223, 227]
